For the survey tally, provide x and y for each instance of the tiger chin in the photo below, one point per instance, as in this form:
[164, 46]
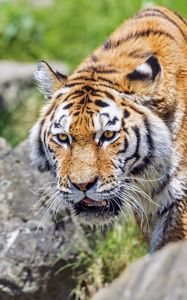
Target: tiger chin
[114, 133]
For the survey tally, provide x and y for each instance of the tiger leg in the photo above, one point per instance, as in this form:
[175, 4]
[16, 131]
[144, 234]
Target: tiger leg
[171, 226]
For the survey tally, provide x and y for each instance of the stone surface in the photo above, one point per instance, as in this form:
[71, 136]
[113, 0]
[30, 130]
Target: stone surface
[17, 77]
[162, 276]
[34, 256]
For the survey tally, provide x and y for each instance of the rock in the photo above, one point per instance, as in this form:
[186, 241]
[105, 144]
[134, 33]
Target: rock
[42, 3]
[4, 147]
[16, 78]
[162, 276]
[34, 256]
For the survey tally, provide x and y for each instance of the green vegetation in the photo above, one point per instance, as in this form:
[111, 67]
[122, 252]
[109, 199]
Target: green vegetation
[110, 254]
[15, 123]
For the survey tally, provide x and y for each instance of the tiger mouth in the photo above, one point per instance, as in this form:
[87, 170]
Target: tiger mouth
[93, 206]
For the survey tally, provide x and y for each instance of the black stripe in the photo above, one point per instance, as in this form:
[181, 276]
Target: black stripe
[105, 114]
[61, 118]
[141, 167]
[40, 143]
[107, 45]
[59, 95]
[164, 16]
[56, 125]
[41, 151]
[83, 78]
[109, 87]
[136, 152]
[133, 108]
[136, 75]
[137, 54]
[138, 138]
[109, 95]
[51, 150]
[149, 136]
[97, 70]
[73, 95]
[92, 90]
[74, 83]
[180, 17]
[146, 33]
[109, 71]
[98, 84]
[126, 114]
[113, 121]
[152, 61]
[140, 34]
[101, 103]
[147, 159]
[125, 146]
[87, 88]
[160, 213]
[67, 106]
[162, 185]
[94, 58]
[109, 81]
[52, 116]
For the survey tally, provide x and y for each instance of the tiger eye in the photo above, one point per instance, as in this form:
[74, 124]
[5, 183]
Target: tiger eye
[62, 137]
[108, 134]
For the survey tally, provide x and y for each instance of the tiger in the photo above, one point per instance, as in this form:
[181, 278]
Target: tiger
[114, 132]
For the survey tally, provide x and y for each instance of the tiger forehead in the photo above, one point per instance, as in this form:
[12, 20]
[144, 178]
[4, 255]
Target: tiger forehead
[88, 114]
[82, 96]
[85, 99]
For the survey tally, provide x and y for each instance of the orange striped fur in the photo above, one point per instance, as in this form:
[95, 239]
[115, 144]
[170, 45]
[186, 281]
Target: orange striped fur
[114, 133]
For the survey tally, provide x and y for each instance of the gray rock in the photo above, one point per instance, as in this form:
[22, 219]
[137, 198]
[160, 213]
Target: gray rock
[16, 78]
[41, 3]
[35, 257]
[162, 276]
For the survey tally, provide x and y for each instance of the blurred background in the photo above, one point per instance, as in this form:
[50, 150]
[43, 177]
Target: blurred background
[62, 32]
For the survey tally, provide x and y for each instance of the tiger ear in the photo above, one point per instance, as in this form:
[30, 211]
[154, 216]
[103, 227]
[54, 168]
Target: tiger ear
[146, 71]
[47, 80]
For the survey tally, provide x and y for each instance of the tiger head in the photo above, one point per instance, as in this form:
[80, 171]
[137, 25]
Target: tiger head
[95, 136]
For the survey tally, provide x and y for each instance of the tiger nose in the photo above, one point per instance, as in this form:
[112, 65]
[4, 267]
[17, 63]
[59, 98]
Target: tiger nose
[84, 186]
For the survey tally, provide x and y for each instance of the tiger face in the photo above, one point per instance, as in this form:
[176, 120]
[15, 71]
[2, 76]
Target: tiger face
[95, 138]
